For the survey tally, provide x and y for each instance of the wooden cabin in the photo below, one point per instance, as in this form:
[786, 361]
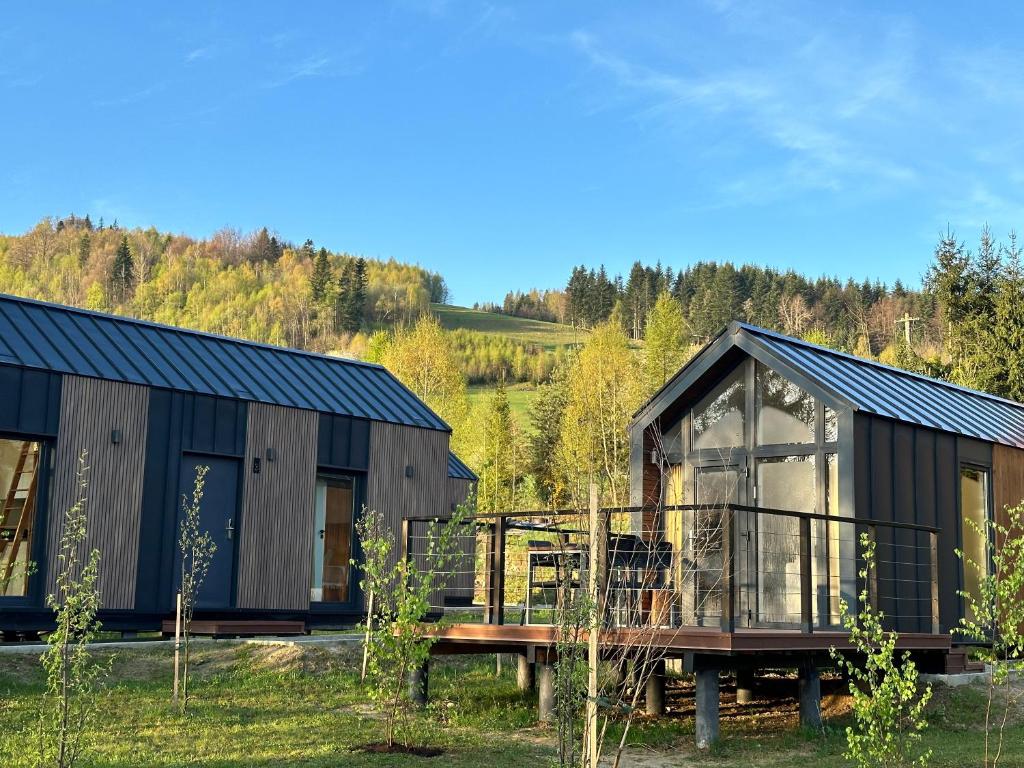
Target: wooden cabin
[296, 444]
[764, 420]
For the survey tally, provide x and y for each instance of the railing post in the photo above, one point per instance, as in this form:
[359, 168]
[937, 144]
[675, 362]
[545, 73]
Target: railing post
[498, 580]
[489, 575]
[933, 540]
[728, 573]
[406, 540]
[806, 584]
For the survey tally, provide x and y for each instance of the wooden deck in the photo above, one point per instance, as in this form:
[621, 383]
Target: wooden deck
[511, 638]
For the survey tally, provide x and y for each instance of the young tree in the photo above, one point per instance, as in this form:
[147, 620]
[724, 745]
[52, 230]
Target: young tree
[197, 550]
[995, 616]
[665, 342]
[402, 602]
[888, 709]
[502, 464]
[72, 676]
[122, 276]
[424, 359]
[546, 414]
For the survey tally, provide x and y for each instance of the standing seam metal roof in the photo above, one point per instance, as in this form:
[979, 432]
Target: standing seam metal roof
[37, 334]
[457, 468]
[890, 392]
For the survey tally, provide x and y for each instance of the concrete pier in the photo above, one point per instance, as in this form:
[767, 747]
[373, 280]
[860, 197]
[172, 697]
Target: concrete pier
[707, 707]
[810, 695]
[744, 685]
[655, 690]
[418, 680]
[546, 692]
[525, 675]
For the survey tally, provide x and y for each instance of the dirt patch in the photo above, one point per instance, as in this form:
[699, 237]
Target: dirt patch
[380, 748]
[309, 660]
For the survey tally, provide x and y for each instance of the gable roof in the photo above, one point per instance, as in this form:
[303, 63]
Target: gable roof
[37, 334]
[863, 385]
[458, 470]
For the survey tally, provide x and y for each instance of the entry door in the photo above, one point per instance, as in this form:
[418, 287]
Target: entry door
[712, 485]
[218, 514]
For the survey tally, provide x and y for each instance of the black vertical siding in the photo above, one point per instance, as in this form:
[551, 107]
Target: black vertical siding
[909, 474]
[178, 422]
[342, 442]
[31, 401]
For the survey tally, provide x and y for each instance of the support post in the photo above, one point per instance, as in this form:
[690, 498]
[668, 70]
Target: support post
[489, 576]
[806, 584]
[655, 689]
[546, 692]
[419, 683]
[598, 551]
[744, 685]
[177, 646]
[810, 695]
[498, 582]
[525, 675]
[707, 707]
[933, 541]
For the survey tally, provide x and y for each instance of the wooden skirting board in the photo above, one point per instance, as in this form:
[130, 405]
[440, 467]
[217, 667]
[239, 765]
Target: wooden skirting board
[238, 628]
[504, 638]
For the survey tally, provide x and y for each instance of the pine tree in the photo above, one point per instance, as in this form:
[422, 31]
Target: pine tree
[84, 249]
[122, 276]
[321, 279]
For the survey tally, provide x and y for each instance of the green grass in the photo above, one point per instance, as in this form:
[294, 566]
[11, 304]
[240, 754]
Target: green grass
[520, 398]
[537, 332]
[280, 706]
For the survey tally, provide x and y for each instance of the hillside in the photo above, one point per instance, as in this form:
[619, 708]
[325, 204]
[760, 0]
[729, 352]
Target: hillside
[548, 336]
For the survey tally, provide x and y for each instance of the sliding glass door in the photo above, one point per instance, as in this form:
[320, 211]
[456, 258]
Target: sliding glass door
[334, 515]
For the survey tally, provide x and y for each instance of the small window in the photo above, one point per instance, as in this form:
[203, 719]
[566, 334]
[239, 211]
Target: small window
[785, 413]
[19, 478]
[975, 513]
[718, 418]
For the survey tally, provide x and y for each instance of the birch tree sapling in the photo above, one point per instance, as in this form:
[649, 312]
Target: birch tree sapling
[73, 677]
[995, 618]
[197, 550]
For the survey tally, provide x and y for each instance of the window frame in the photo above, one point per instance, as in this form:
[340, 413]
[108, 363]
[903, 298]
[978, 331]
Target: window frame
[355, 600]
[36, 592]
[990, 517]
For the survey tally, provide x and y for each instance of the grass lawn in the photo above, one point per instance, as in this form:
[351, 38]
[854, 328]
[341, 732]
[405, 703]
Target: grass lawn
[520, 397]
[287, 706]
[538, 332]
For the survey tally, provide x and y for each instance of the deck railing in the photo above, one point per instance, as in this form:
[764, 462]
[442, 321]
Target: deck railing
[725, 567]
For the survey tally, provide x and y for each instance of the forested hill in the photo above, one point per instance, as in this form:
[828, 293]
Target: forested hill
[252, 286]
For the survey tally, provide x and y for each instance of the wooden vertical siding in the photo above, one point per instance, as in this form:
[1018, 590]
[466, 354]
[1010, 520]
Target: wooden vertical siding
[1007, 482]
[394, 447]
[275, 543]
[90, 411]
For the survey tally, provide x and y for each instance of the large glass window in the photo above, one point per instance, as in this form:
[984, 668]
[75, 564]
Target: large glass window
[332, 540]
[974, 516]
[785, 413]
[718, 418]
[19, 477]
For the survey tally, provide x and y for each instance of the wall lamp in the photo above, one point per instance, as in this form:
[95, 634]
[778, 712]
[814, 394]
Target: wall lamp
[116, 436]
[408, 470]
[271, 454]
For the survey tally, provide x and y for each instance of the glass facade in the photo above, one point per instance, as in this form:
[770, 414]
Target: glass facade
[19, 479]
[785, 413]
[718, 419]
[332, 540]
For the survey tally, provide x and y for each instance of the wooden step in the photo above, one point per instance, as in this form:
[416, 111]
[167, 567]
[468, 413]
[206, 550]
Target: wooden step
[238, 627]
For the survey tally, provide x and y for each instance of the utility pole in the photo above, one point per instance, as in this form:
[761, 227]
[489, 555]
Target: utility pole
[906, 321]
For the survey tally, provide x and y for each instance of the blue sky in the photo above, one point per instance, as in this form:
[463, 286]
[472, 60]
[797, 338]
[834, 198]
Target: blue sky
[501, 144]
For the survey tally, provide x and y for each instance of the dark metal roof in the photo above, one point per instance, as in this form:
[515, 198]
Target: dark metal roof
[37, 334]
[458, 470]
[878, 389]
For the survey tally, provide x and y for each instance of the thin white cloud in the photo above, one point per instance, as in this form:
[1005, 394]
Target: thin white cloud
[310, 66]
[200, 54]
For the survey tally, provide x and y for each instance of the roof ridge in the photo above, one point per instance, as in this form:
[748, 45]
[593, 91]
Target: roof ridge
[192, 331]
[874, 363]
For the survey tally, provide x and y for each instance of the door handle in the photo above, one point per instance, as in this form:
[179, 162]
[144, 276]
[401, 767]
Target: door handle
[321, 533]
[230, 528]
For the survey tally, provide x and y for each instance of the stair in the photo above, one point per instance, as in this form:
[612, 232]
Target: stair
[17, 513]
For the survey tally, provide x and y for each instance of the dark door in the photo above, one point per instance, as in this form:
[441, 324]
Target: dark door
[218, 513]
